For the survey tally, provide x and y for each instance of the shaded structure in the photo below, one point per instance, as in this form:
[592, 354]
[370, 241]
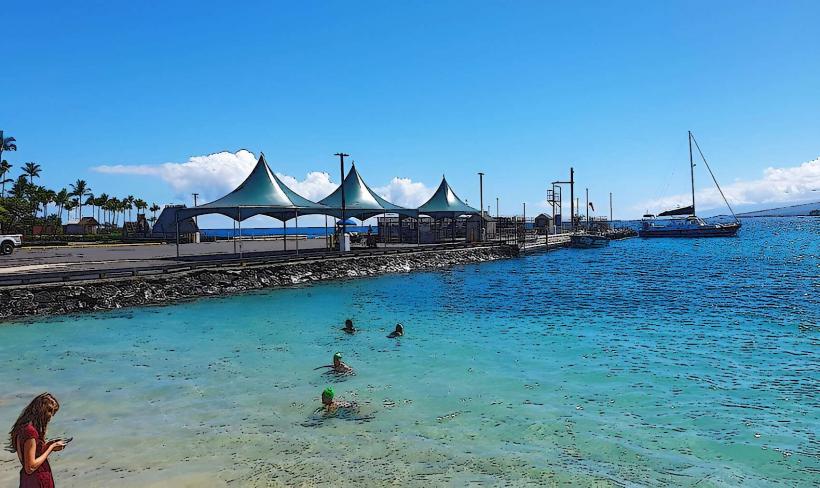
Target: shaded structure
[361, 202]
[443, 216]
[167, 226]
[445, 204]
[262, 193]
[355, 199]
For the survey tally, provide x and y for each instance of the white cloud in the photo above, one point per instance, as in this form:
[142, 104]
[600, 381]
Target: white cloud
[315, 186]
[405, 192]
[214, 175]
[778, 185]
[211, 176]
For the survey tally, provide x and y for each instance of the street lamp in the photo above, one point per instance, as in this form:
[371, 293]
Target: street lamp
[342, 157]
[481, 202]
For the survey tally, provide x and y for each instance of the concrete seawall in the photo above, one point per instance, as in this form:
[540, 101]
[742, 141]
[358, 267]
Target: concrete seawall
[83, 296]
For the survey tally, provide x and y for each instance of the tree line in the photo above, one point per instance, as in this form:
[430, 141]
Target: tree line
[24, 204]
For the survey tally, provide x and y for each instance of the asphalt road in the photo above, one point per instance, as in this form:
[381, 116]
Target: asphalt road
[98, 257]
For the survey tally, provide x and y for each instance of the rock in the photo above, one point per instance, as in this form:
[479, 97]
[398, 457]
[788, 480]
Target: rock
[54, 299]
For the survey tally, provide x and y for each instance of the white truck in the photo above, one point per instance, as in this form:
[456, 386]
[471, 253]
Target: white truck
[8, 242]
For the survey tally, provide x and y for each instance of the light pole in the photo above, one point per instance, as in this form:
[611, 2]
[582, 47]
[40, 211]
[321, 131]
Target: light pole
[610, 211]
[481, 202]
[196, 221]
[572, 197]
[342, 157]
[496, 208]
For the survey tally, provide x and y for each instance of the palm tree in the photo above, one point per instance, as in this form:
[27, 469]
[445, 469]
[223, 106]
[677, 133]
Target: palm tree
[69, 205]
[48, 197]
[125, 205]
[61, 198]
[140, 204]
[101, 202]
[80, 189]
[32, 169]
[114, 207]
[20, 187]
[154, 208]
[128, 201]
[4, 169]
[7, 144]
[90, 201]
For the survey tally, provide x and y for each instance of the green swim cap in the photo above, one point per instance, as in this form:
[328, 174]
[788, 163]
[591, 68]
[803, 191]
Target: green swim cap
[337, 355]
[328, 392]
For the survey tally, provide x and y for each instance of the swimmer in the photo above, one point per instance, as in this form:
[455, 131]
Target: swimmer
[349, 327]
[338, 366]
[398, 332]
[331, 406]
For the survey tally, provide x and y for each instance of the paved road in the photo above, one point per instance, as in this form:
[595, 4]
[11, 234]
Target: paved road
[39, 260]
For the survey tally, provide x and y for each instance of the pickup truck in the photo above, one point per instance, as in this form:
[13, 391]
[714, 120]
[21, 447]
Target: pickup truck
[9, 241]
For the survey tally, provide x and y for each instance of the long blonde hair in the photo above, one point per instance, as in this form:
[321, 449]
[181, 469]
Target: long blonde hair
[37, 413]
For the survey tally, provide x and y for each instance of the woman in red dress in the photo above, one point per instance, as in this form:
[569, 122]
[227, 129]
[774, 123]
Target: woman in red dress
[27, 439]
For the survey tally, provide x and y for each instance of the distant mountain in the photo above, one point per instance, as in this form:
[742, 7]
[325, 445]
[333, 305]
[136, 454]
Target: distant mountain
[792, 211]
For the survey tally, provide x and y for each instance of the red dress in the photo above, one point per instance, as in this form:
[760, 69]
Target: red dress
[41, 477]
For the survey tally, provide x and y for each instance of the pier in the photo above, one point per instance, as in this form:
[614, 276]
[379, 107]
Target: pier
[81, 289]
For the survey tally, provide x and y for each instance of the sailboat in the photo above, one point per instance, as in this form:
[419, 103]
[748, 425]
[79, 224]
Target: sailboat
[684, 222]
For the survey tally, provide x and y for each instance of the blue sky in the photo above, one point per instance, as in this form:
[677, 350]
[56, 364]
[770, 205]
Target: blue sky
[519, 90]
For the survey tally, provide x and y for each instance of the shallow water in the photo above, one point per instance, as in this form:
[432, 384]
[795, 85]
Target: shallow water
[648, 363]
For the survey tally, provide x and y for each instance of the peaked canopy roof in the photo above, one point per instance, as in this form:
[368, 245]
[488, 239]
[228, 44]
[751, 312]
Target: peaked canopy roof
[445, 203]
[360, 201]
[262, 192]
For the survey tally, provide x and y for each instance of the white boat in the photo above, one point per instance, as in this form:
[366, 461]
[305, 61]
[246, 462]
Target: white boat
[586, 241]
[683, 222]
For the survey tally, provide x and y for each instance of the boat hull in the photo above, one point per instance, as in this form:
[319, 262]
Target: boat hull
[729, 230]
[588, 241]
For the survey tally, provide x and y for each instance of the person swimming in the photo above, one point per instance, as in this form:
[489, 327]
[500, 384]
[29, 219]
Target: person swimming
[331, 406]
[349, 327]
[397, 333]
[338, 366]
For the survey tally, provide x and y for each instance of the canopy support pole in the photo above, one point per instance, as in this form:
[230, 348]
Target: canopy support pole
[285, 233]
[240, 231]
[233, 236]
[418, 230]
[177, 233]
[297, 228]
[327, 244]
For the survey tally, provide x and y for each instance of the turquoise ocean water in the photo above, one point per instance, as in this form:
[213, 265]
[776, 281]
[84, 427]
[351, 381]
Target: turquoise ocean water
[648, 363]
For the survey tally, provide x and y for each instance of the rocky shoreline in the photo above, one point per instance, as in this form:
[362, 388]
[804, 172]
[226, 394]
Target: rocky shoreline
[27, 301]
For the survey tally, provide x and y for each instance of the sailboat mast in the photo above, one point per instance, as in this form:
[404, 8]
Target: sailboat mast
[692, 172]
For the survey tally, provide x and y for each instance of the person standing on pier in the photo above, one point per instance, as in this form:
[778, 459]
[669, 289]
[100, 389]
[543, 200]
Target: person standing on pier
[27, 439]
